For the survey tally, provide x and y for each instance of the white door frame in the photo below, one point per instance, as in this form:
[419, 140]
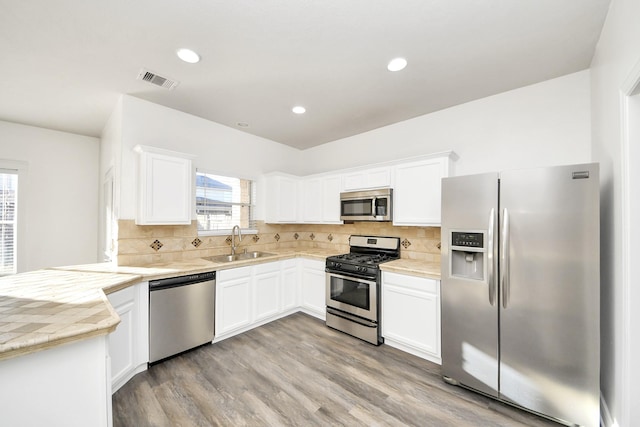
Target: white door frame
[630, 177]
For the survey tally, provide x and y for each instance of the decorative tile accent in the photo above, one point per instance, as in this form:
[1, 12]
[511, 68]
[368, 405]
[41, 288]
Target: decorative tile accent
[296, 236]
[228, 240]
[330, 237]
[256, 238]
[277, 237]
[196, 242]
[406, 243]
[439, 245]
[156, 245]
[312, 236]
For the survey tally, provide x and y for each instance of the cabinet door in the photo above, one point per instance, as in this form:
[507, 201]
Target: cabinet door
[129, 343]
[311, 200]
[122, 340]
[282, 199]
[331, 199]
[379, 177]
[290, 281]
[416, 195]
[411, 314]
[266, 291]
[233, 303]
[164, 195]
[313, 288]
[368, 178]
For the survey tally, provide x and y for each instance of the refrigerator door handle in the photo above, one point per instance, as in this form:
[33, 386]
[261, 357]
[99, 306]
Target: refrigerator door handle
[504, 259]
[491, 258]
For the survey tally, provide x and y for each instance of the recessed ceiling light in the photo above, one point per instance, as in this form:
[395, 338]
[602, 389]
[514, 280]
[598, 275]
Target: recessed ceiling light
[397, 64]
[298, 109]
[187, 55]
[243, 124]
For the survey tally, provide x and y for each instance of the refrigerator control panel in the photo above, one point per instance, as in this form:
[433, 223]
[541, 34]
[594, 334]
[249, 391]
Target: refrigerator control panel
[467, 255]
[468, 240]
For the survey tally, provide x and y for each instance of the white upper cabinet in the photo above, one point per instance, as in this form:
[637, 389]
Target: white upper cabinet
[311, 200]
[315, 199]
[331, 186]
[320, 199]
[281, 198]
[367, 178]
[416, 193]
[165, 195]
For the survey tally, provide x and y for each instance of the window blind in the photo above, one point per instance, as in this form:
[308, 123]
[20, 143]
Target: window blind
[8, 217]
[223, 202]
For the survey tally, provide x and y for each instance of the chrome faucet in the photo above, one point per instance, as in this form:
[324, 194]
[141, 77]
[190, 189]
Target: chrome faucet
[233, 239]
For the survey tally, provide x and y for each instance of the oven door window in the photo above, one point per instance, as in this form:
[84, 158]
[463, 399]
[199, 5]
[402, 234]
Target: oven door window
[360, 207]
[350, 292]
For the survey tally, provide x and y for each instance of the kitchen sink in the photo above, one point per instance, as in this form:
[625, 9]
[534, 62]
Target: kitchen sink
[238, 257]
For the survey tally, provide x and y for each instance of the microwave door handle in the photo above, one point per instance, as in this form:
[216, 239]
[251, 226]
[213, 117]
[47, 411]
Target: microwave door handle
[373, 206]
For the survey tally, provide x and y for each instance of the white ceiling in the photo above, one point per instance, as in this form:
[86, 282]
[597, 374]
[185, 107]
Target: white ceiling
[63, 63]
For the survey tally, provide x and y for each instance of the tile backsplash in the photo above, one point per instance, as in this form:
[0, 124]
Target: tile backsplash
[148, 244]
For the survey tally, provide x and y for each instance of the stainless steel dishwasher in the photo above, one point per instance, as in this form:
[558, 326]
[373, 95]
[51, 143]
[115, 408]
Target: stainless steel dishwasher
[181, 314]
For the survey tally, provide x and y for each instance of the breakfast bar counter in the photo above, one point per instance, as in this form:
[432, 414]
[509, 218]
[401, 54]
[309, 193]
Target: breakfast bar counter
[46, 308]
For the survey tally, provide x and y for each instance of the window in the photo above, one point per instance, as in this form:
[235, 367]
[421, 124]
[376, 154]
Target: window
[8, 223]
[223, 202]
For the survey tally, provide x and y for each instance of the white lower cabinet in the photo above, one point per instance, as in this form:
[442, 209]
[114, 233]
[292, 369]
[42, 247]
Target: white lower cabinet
[247, 297]
[266, 291]
[129, 343]
[411, 314]
[313, 282]
[290, 295]
[233, 300]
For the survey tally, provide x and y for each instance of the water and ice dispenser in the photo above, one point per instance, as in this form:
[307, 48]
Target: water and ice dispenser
[468, 255]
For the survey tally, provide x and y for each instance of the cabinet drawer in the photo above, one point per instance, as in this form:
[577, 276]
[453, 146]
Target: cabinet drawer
[421, 284]
[268, 267]
[233, 273]
[290, 263]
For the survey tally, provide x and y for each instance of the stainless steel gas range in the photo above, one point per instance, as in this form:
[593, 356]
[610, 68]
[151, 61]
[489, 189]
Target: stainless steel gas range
[353, 286]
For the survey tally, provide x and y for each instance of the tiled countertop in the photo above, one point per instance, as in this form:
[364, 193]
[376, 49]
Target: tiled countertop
[413, 267]
[196, 265]
[46, 308]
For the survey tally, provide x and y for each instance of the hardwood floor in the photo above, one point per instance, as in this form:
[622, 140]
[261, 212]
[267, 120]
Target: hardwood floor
[298, 372]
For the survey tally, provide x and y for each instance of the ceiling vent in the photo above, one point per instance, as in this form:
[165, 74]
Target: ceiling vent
[157, 79]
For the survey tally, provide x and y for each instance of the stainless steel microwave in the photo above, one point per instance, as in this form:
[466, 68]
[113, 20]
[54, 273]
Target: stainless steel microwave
[370, 205]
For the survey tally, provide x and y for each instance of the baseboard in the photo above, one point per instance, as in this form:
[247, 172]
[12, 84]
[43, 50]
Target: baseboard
[412, 350]
[605, 415]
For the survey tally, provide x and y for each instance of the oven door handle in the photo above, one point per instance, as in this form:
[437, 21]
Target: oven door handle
[347, 316]
[354, 278]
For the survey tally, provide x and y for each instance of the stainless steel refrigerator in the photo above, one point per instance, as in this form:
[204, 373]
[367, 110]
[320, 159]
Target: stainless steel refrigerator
[521, 288]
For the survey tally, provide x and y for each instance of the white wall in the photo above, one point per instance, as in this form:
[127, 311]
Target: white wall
[540, 125]
[617, 53]
[110, 167]
[61, 200]
[219, 149]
